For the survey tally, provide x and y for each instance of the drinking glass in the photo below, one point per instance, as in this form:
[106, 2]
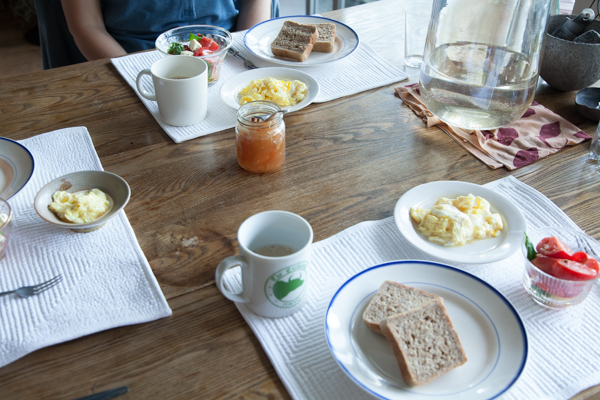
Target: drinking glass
[416, 22]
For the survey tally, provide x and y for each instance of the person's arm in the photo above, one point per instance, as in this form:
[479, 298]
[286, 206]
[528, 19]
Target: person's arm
[252, 12]
[86, 24]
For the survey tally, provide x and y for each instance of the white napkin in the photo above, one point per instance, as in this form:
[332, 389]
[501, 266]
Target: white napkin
[564, 350]
[362, 70]
[107, 279]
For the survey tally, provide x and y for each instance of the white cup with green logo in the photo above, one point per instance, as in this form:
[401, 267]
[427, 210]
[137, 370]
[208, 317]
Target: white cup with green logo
[275, 249]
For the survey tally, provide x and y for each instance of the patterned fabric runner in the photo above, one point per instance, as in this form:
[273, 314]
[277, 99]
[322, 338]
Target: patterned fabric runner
[538, 133]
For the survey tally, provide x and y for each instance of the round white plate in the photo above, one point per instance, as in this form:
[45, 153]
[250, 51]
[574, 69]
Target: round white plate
[230, 89]
[258, 40]
[476, 252]
[16, 167]
[489, 328]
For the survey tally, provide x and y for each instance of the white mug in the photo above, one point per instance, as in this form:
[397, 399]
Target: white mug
[275, 250]
[180, 89]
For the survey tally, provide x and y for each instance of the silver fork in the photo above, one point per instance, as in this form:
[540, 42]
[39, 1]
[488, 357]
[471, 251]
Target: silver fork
[247, 63]
[27, 291]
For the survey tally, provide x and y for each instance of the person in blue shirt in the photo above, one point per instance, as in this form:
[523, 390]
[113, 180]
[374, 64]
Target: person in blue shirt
[112, 28]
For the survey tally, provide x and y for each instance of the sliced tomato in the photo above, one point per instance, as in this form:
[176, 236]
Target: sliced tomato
[214, 46]
[554, 247]
[205, 42]
[198, 52]
[586, 259]
[186, 47]
[593, 264]
[544, 287]
[544, 263]
[205, 52]
[560, 291]
[573, 271]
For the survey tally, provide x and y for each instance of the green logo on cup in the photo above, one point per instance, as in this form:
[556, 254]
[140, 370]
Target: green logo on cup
[285, 288]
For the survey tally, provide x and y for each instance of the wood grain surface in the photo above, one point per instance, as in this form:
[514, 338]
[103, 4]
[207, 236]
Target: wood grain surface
[347, 161]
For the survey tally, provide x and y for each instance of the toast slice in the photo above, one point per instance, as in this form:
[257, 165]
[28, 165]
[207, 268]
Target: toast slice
[424, 343]
[326, 41]
[393, 298]
[295, 41]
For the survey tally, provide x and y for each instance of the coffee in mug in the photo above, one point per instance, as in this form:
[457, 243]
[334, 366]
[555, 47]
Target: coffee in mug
[275, 250]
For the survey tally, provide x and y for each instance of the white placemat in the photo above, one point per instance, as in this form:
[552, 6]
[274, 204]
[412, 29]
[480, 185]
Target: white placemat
[563, 353]
[107, 279]
[362, 70]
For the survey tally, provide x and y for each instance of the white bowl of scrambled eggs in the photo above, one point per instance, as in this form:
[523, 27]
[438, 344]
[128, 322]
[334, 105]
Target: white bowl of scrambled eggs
[82, 201]
[470, 225]
[290, 89]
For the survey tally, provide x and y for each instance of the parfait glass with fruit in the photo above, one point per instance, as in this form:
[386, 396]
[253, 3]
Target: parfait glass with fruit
[210, 43]
[561, 266]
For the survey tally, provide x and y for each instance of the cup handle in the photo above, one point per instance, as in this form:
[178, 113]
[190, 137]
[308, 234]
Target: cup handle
[221, 269]
[144, 92]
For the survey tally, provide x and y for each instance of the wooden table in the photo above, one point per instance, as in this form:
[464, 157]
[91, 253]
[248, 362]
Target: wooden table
[348, 161]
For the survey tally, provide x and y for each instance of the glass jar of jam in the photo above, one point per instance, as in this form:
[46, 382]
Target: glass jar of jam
[260, 143]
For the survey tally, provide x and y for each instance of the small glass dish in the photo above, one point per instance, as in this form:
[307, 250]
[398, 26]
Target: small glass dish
[544, 288]
[6, 217]
[182, 35]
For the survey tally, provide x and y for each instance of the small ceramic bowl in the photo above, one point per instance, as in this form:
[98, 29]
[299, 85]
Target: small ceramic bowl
[552, 292]
[588, 103]
[6, 217]
[113, 185]
[182, 35]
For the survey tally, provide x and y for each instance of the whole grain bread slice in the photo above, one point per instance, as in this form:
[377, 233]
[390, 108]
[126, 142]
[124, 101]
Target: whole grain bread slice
[326, 41]
[295, 41]
[424, 343]
[393, 298]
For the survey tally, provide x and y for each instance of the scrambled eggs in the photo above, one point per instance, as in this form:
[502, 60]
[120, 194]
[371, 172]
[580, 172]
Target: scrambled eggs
[283, 93]
[79, 207]
[454, 222]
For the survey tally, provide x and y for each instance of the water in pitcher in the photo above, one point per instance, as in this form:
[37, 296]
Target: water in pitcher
[477, 86]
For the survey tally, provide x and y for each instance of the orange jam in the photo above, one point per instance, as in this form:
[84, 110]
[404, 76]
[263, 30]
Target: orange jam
[260, 144]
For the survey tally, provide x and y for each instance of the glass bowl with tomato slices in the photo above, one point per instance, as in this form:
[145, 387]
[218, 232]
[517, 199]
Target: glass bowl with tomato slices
[561, 266]
[207, 42]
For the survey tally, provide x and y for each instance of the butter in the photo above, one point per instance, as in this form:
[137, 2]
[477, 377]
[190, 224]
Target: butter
[79, 207]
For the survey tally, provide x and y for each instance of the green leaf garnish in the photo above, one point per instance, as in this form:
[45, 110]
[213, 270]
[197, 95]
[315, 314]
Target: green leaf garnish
[531, 253]
[197, 37]
[175, 48]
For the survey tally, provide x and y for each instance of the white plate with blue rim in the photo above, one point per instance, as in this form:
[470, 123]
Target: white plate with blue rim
[489, 328]
[476, 252]
[16, 167]
[258, 40]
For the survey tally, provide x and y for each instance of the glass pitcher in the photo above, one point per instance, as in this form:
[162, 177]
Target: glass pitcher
[481, 60]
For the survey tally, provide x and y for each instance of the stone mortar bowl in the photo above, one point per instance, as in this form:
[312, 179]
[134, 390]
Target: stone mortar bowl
[568, 65]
